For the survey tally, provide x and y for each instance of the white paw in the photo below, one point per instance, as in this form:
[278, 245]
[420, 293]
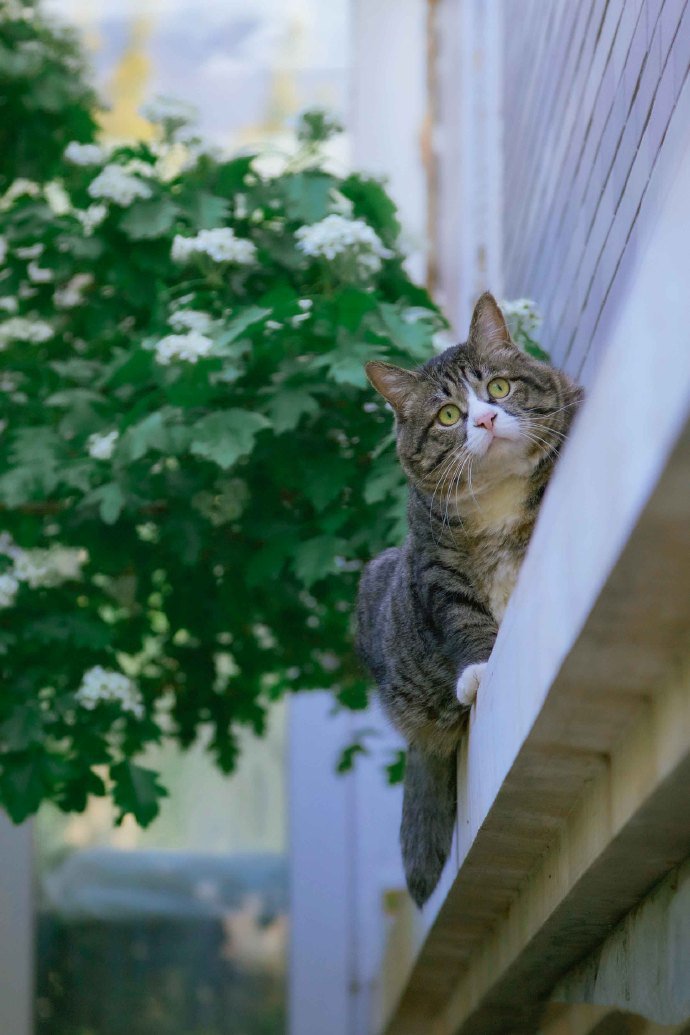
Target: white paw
[468, 683]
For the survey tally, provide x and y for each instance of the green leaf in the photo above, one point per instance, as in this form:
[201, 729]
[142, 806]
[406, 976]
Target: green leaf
[315, 559]
[207, 210]
[346, 364]
[322, 483]
[136, 791]
[22, 728]
[395, 770]
[288, 406]
[412, 338]
[144, 219]
[155, 432]
[382, 482]
[110, 500]
[373, 204]
[36, 454]
[242, 322]
[25, 781]
[307, 196]
[226, 436]
[77, 629]
[82, 371]
[346, 761]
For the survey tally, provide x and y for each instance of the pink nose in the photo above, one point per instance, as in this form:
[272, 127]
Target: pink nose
[485, 420]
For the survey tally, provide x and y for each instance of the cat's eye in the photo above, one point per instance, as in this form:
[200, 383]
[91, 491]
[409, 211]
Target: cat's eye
[498, 388]
[448, 415]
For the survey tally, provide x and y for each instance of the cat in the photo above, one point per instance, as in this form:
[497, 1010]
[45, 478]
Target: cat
[478, 429]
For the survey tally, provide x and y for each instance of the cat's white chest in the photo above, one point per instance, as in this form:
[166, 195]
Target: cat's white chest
[499, 508]
[502, 585]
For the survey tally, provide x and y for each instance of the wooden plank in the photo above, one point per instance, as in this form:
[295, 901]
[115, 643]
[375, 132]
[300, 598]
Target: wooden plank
[643, 966]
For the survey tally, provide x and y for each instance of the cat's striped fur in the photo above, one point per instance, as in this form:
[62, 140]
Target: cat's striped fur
[429, 610]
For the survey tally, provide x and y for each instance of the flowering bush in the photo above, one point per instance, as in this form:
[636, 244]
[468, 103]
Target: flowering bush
[192, 467]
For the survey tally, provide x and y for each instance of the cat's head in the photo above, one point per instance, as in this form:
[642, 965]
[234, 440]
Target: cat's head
[484, 407]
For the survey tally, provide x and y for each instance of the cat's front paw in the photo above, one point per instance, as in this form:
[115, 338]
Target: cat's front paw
[468, 683]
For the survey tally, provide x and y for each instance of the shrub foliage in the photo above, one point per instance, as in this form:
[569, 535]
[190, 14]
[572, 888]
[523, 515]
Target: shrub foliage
[192, 468]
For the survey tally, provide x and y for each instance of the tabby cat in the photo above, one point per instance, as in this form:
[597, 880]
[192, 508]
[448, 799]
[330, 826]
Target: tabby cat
[478, 430]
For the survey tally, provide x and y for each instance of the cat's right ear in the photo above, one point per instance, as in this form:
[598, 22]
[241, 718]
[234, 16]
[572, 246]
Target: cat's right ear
[395, 384]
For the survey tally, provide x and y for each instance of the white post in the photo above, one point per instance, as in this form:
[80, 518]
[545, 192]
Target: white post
[16, 928]
[389, 108]
[344, 857]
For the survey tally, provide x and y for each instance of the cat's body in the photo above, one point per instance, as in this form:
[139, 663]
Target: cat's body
[428, 611]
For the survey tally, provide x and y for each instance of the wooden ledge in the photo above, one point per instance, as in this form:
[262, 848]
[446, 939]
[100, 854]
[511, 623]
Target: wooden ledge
[574, 782]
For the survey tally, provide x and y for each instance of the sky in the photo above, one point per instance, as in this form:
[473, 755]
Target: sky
[249, 65]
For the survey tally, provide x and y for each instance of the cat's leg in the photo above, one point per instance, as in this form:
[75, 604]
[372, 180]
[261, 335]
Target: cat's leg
[468, 683]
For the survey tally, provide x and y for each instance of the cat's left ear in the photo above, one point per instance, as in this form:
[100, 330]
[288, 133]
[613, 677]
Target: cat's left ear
[395, 384]
[488, 328]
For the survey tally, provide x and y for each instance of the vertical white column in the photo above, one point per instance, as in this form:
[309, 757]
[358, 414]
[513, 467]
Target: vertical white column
[321, 832]
[344, 856]
[389, 108]
[16, 928]
[468, 147]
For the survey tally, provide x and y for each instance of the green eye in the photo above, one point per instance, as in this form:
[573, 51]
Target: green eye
[448, 415]
[498, 388]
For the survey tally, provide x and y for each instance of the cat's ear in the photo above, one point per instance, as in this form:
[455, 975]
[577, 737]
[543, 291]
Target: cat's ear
[488, 328]
[396, 385]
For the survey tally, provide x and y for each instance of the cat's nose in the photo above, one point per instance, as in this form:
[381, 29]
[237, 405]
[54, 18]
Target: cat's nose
[485, 419]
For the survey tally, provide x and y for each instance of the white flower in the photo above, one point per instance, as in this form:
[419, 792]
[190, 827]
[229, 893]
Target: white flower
[114, 184]
[188, 347]
[91, 217]
[13, 11]
[9, 304]
[341, 205]
[336, 235]
[219, 244]
[172, 159]
[8, 590]
[39, 274]
[57, 197]
[30, 251]
[85, 154]
[104, 685]
[163, 110]
[522, 315]
[45, 568]
[71, 294]
[191, 320]
[138, 167]
[19, 328]
[19, 189]
[102, 447]
[3, 249]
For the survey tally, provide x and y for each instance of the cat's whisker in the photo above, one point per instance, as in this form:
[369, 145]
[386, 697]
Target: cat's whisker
[448, 465]
[467, 462]
[531, 423]
[537, 440]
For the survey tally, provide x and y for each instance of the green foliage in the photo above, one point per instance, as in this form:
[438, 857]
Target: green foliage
[194, 469]
[45, 99]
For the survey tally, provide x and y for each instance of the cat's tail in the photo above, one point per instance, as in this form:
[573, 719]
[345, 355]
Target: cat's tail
[428, 819]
